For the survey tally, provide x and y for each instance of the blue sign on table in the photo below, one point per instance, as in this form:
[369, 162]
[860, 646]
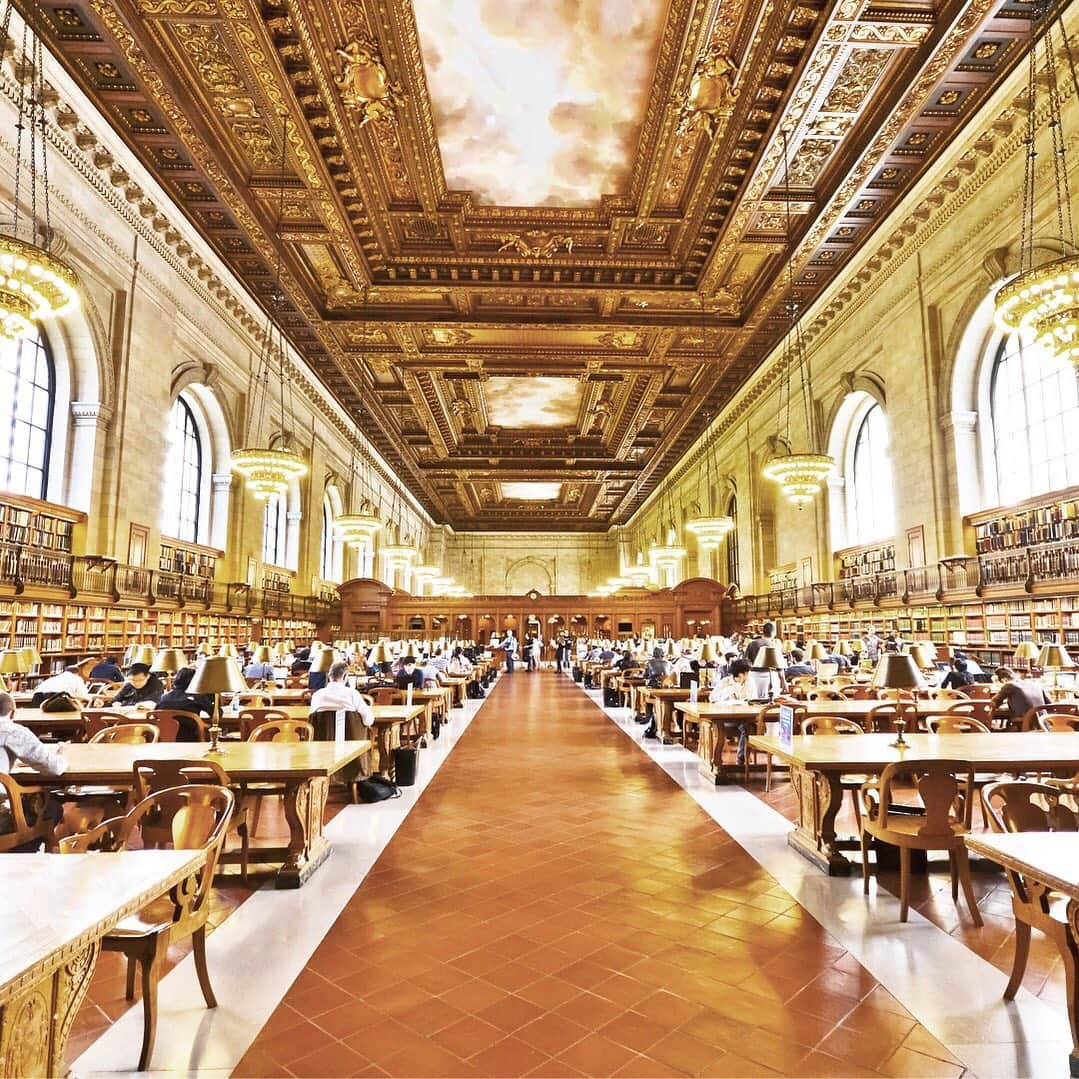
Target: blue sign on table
[786, 724]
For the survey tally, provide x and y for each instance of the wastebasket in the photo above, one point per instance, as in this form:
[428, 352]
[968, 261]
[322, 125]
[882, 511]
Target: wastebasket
[404, 766]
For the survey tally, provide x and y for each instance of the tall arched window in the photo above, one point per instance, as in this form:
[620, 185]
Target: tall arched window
[183, 475]
[732, 542]
[872, 501]
[330, 559]
[274, 531]
[1034, 409]
[27, 390]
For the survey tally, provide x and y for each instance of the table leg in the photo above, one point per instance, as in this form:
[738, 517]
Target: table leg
[35, 1022]
[385, 749]
[663, 720]
[819, 800]
[308, 847]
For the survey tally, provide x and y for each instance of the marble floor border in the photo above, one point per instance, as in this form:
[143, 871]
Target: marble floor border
[260, 949]
[949, 989]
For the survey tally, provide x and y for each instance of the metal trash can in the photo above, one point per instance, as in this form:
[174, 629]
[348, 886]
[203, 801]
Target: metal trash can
[404, 766]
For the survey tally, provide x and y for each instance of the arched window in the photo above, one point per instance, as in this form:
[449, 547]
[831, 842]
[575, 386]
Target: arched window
[872, 498]
[27, 390]
[183, 475]
[732, 542]
[1034, 409]
[274, 532]
[330, 560]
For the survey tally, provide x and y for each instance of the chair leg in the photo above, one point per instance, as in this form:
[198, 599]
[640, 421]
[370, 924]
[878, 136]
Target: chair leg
[857, 809]
[151, 960]
[865, 862]
[258, 812]
[904, 883]
[198, 942]
[968, 884]
[129, 993]
[1019, 960]
[768, 774]
[953, 868]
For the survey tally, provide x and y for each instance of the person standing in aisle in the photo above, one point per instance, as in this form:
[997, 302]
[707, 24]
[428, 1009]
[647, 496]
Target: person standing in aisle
[509, 648]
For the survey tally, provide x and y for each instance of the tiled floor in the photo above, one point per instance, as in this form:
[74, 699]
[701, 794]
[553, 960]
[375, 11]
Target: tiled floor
[557, 905]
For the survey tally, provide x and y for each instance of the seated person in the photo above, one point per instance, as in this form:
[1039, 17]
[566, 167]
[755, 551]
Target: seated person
[337, 696]
[736, 687]
[958, 677]
[263, 671]
[19, 743]
[429, 674]
[179, 698]
[108, 670]
[440, 661]
[71, 680]
[1017, 695]
[627, 662]
[409, 675]
[657, 668]
[684, 664]
[798, 668]
[459, 663]
[141, 687]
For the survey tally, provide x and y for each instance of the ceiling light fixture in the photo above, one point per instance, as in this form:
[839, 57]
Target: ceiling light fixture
[1041, 303]
[34, 284]
[709, 527]
[799, 475]
[270, 471]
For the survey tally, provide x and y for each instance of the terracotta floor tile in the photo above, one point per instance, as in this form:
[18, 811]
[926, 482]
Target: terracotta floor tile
[907, 1064]
[335, 1059]
[635, 1030]
[510, 1056]
[681, 1050]
[552, 1033]
[596, 1055]
[550, 992]
[645, 1067]
[510, 1013]
[468, 1036]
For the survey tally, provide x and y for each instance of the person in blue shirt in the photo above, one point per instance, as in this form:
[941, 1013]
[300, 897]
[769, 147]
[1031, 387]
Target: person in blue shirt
[107, 670]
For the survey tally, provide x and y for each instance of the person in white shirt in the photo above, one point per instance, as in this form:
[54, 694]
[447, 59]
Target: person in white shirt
[683, 664]
[459, 664]
[72, 680]
[336, 696]
[19, 743]
[735, 687]
[439, 661]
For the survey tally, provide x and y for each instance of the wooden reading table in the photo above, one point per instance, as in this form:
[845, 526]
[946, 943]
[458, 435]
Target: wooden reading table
[1041, 865]
[304, 770]
[817, 763]
[57, 908]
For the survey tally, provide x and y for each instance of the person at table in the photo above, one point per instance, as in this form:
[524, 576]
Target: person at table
[1017, 696]
[798, 667]
[459, 664]
[262, 671]
[509, 650]
[871, 644]
[181, 700]
[440, 661]
[19, 743]
[657, 668]
[409, 675]
[684, 663]
[141, 687]
[627, 662]
[958, 677]
[337, 696]
[108, 670]
[71, 680]
[736, 687]
[767, 637]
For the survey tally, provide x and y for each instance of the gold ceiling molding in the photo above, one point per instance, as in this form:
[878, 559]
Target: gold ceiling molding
[709, 101]
[364, 83]
[536, 244]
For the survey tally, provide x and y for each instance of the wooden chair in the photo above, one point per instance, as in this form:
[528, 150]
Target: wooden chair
[825, 694]
[273, 730]
[14, 829]
[881, 719]
[856, 693]
[955, 723]
[296, 681]
[1022, 806]
[981, 691]
[826, 725]
[251, 700]
[169, 722]
[384, 695]
[951, 695]
[94, 720]
[1058, 723]
[770, 714]
[940, 824]
[191, 817]
[152, 776]
[250, 718]
[128, 734]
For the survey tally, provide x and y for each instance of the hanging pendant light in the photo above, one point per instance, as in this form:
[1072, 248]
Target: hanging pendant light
[34, 283]
[270, 471]
[1042, 302]
[800, 475]
[709, 527]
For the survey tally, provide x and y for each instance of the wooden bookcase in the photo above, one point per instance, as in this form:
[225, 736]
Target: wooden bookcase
[865, 561]
[189, 559]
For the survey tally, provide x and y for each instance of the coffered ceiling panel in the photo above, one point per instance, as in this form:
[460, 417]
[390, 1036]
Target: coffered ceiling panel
[535, 243]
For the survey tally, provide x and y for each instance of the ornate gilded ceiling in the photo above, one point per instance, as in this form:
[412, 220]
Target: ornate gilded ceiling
[581, 342]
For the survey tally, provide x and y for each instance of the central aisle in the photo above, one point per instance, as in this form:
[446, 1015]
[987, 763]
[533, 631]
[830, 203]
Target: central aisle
[555, 904]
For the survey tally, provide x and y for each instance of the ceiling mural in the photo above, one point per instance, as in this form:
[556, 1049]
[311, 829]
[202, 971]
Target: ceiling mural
[534, 243]
[538, 104]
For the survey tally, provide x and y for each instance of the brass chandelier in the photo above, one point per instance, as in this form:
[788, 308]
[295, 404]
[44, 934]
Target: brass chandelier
[358, 530]
[799, 475]
[270, 471]
[1041, 303]
[34, 283]
[709, 527]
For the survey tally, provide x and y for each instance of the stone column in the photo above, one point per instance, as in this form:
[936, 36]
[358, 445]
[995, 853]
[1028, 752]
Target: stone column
[87, 463]
[292, 539]
[221, 488]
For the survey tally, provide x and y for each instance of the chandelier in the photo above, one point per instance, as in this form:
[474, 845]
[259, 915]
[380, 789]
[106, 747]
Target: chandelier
[269, 471]
[800, 475]
[1042, 302]
[34, 283]
[638, 575]
[358, 530]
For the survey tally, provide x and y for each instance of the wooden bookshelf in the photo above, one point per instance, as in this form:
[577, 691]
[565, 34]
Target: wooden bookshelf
[1038, 521]
[189, 559]
[782, 579]
[865, 561]
[276, 579]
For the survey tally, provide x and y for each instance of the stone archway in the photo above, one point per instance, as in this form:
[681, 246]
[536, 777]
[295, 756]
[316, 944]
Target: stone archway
[528, 575]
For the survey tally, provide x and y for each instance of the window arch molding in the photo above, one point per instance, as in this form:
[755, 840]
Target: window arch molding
[856, 418]
[192, 385]
[331, 547]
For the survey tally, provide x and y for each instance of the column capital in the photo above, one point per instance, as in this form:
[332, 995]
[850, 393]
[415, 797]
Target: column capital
[221, 481]
[89, 413]
[961, 422]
